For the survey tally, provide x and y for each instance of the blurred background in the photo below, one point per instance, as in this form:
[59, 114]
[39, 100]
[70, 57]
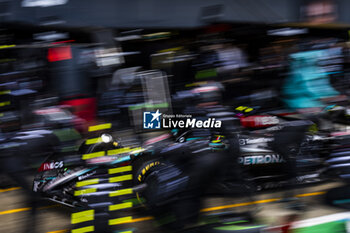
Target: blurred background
[69, 65]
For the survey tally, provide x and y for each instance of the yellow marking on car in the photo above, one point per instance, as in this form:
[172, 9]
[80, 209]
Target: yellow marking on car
[93, 141]
[87, 182]
[100, 127]
[119, 151]
[241, 108]
[9, 189]
[84, 229]
[2, 104]
[5, 92]
[119, 170]
[118, 221]
[120, 178]
[120, 206]
[171, 49]
[7, 46]
[120, 192]
[94, 155]
[244, 108]
[125, 150]
[84, 191]
[83, 216]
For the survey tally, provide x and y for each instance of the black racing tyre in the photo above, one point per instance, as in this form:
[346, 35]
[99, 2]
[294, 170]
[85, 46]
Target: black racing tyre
[143, 166]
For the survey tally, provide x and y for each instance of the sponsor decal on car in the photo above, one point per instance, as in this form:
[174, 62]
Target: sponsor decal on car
[261, 159]
[86, 175]
[254, 141]
[258, 121]
[51, 165]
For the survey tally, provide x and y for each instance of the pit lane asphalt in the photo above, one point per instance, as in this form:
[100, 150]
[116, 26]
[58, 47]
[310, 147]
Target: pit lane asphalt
[53, 218]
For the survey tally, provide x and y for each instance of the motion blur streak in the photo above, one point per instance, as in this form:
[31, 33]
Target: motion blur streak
[203, 210]
[14, 211]
[240, 204]
[127, 220]
[25, 209]
[310, 194]
[173, 110]
[9, 189]
[59, 231]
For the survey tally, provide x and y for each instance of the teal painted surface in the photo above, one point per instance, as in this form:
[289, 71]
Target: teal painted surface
[307, 83]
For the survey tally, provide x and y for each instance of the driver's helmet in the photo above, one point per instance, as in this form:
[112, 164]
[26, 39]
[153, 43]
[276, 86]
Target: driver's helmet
[105, 142]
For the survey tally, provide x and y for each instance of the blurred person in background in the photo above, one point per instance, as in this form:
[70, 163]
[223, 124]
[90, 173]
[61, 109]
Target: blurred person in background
[308, 85]
[231, 57]
[307, 90]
